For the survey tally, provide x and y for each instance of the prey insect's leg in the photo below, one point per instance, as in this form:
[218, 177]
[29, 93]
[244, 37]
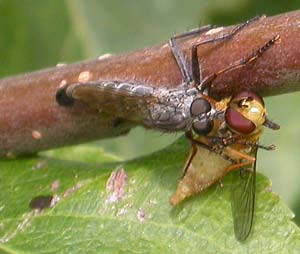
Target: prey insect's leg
[239, 166]
[234, 140]
[205, 83]
[234, 153]
[206, 143]
[178, 54]
[256, 145]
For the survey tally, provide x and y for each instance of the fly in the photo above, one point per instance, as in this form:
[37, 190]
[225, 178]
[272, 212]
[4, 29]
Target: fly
[227, 131]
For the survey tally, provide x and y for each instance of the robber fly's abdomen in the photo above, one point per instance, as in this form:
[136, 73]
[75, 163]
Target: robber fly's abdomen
[158, 108]
[155, 108]
[128, 88]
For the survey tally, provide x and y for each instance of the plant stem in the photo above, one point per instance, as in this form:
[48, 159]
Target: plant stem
[31, 120]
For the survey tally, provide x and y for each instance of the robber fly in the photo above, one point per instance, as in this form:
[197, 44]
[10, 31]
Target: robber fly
[227, 131]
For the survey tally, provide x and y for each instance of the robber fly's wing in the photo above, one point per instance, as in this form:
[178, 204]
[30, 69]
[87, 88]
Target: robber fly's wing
[123, 99]
[243, 200]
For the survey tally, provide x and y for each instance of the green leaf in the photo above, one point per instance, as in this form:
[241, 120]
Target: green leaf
[87, 219]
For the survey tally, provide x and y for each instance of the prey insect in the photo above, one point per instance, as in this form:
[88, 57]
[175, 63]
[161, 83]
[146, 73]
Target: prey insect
[226, 131]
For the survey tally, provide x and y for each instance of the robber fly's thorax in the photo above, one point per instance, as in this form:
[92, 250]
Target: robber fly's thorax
[178, 109]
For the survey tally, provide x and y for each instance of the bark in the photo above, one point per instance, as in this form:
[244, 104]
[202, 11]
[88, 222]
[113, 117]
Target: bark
[31, 120]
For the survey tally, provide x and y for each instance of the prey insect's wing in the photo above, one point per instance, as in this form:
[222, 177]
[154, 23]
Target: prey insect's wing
[123, 99]
[243, 201]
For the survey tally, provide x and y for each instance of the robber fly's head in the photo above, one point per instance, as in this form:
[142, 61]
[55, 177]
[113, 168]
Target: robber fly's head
[200, 111]
[246, 114]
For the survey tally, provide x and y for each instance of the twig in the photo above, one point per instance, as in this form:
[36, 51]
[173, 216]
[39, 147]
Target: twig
[31, 120]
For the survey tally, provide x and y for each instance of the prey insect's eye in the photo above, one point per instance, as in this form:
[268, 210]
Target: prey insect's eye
[236, 121]
[200, 106]
[245, 113]
[247, 96]
[203, 126]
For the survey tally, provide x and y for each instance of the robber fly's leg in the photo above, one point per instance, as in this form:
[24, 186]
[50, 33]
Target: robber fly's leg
[180, 59]
[192, 154]
[234, 31]
[196, 73]
[206, 83]
[178, 54]
[216, 149]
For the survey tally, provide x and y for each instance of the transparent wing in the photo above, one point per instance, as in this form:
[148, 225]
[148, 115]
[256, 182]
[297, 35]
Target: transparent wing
[123, 99]
[243, 201]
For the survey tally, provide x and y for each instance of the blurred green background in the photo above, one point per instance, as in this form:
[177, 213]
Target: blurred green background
[39, 34]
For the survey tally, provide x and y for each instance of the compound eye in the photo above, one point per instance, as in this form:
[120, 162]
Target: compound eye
[203, 126]
[238, 123]
[200, 106]
[248, 96]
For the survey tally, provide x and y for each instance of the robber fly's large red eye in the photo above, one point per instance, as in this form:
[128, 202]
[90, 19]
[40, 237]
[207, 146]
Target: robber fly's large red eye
[245, 113]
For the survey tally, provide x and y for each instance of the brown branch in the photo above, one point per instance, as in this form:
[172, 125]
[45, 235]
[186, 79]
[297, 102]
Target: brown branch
[31, 120]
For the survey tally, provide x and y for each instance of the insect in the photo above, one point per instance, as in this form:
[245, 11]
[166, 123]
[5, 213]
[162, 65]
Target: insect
[227, 131]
